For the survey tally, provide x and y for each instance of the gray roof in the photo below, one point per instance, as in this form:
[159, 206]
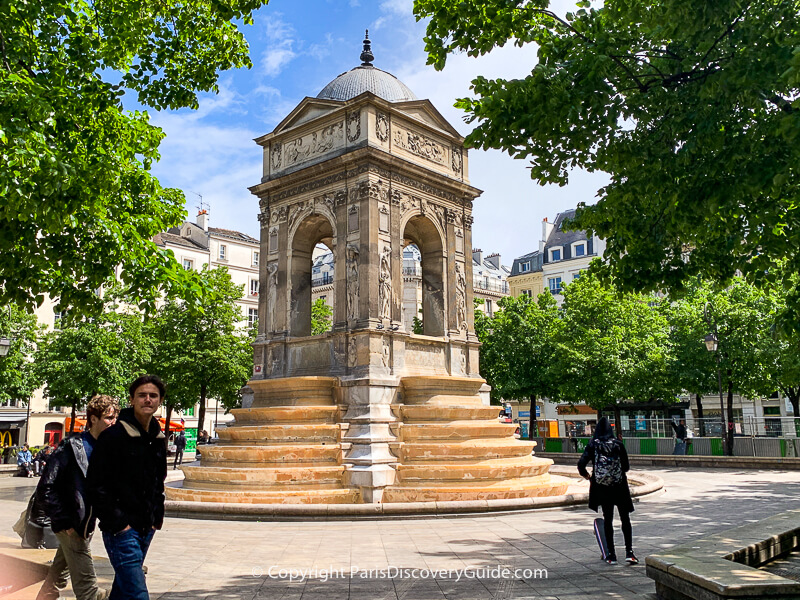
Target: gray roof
[558, 237]
[534, 260]
[366, 78]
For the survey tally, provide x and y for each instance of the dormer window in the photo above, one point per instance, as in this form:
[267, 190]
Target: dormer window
[524, 267]
[555, 254]
[579, 249]
[188, 231]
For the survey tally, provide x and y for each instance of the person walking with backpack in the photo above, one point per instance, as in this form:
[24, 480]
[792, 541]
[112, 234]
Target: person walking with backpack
[180, 446]
[608, 486]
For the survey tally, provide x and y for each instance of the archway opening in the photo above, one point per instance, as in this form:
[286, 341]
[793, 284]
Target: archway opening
[421, 233]
[311, 276]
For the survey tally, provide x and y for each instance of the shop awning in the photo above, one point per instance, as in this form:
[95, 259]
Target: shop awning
[80, 424]
[173, 425]
[575, 409]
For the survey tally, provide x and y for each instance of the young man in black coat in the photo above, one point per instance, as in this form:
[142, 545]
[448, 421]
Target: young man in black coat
[610, 460]
[63, 495]
[180, 446]
[126, 483]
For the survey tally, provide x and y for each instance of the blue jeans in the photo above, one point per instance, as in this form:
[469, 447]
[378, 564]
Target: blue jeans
[126, 552]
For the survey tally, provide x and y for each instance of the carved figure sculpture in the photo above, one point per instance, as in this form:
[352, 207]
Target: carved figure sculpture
[385, 283]
[272, 294]
[352, 282]
[461, 298]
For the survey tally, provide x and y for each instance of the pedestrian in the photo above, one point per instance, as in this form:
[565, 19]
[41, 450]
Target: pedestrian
[64, 498]
[180, 446]
[680, 437]
[126, 484]
[40, 460]
[609, 486]
[25, 462]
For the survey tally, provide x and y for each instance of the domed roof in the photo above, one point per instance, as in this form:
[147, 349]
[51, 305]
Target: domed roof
[367, 78]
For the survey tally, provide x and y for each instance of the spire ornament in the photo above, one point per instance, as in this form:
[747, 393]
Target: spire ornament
[366, 55]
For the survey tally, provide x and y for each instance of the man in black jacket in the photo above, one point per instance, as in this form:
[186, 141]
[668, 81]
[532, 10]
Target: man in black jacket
[126, 485]
[180, 446]
[63, 496]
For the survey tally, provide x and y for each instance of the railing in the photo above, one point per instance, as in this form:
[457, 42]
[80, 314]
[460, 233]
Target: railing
[412, 271]
[493, 285]
[326, 279]
[767, 426]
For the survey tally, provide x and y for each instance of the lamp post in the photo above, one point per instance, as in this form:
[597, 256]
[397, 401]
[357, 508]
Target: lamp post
[712, 343]
[5, 345]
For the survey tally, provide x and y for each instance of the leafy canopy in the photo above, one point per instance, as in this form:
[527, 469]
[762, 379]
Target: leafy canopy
[19, 377]
[78, 197]
[693, 109]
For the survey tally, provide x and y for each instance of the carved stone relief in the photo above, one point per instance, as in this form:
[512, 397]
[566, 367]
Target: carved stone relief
[461, 298]
[382, 127]
[298, 211]
[435, 212]
[272, 294]
[279, 216]
[315, 143]
[340, 197]
[352, 219]
[420, 145]
[457, 162]
[384, 219]
[459, 241]
[275, 156]
[385, 352]
[352, 352]
[273, 240]
[352, 282]
[385, 284]
[354, 126]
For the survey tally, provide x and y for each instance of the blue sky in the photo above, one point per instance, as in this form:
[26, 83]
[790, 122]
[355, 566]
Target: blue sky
[298, 46]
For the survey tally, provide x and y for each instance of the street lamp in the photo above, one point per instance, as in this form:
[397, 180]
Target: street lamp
[5, 345]
[712, 343]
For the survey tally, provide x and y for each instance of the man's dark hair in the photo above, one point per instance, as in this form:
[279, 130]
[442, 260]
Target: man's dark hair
[144, 380]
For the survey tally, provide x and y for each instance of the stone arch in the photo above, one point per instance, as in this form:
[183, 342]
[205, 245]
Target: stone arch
[310, 230]
[423, 232]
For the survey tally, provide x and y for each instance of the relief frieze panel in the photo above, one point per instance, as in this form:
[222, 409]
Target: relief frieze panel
[420, 145]
[313, 144]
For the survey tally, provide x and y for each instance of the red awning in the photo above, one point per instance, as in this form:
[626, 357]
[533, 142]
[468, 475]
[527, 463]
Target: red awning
[173, 425]
[80, 424]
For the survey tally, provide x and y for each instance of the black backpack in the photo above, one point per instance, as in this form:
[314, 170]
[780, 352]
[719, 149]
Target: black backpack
[607, 465]
[37, 533]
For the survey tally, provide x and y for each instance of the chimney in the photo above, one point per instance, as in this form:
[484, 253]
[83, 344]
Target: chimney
[547, 229]
[477, 255]
[202, 220]
[494, 260]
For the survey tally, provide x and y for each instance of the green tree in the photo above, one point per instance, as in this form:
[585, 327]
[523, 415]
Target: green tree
[78, 196]
[517, 345]
[19, 377]
[321, 317]
[202, 353]
[612, 347]
[89, 356]
[690, 109]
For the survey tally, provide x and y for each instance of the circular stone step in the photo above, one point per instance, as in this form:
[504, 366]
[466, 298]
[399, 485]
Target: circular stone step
[255, 477]
[432, 413]
[285, 414]
[270, 456]
[529, 487]
[479, 449]
[332, 496]
[491, 470]
[312, 432]
[456, 430]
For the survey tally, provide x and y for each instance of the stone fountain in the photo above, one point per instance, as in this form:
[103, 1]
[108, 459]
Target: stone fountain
[367, 412]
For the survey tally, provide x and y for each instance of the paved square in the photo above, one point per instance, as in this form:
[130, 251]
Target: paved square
[437, 558]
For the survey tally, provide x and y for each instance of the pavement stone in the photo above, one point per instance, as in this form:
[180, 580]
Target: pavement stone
[232, 560]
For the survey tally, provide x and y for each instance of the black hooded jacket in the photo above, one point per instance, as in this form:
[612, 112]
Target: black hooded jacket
[605, 442]
[62, 491]
[126, 475]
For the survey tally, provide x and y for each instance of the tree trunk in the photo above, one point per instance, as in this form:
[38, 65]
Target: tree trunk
[729, 411]
[617, 422]
[533, 425]
[167, 421]
[201, 414]
[702, 430]
[793, 393]
[72, 417]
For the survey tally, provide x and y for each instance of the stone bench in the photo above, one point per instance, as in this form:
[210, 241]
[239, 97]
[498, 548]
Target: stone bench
[724, 565]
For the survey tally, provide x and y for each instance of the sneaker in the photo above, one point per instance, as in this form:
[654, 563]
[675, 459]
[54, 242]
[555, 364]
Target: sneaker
[611, 559]
[631, 559]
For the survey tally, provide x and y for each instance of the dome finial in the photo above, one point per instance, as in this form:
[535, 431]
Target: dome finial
[366, 55]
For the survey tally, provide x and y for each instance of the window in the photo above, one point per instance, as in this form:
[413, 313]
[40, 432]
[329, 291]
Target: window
[188, 231]
[252, 317]
[576, 275]
[223, 252]
[555, 285]
[555, 254]
[189, 412]
[579, 250]
[188, 264]
[254, 287]
[255, 258]
[525, 267]
[489, 310]
[527, 293]
[58, 317]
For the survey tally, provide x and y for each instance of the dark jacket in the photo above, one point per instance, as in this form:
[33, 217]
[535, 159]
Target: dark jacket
[126, 475]
[600, 495]
[180, 442]
[62, 491]
[680, 431]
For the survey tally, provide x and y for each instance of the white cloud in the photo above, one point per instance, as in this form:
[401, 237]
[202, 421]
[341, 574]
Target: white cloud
[280, 37]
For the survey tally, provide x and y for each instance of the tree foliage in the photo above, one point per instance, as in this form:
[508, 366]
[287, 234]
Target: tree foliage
[202, 354]
[611, 347]
[321, 317]
[691, 109]
[19, 377]
[78, 197]
[517, 346]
